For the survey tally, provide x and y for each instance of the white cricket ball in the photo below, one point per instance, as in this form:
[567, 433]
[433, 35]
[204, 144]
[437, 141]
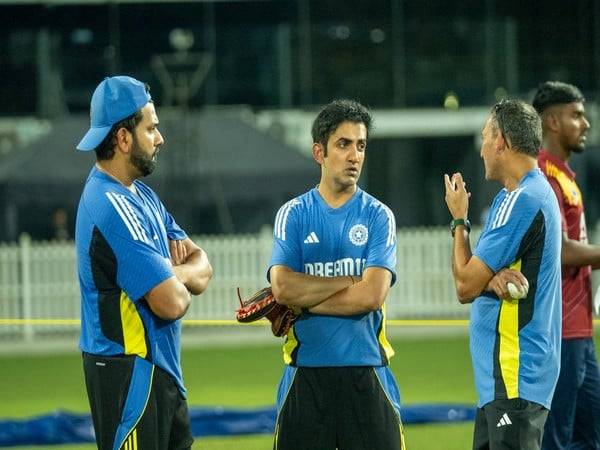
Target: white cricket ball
[515, 292]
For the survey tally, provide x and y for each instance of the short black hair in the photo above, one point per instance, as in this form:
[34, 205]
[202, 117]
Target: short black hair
[335, 113]
[520, 125]
[106, 148]
[555, 93]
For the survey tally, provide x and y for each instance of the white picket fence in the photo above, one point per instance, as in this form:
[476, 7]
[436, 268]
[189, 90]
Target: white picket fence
[38, 281]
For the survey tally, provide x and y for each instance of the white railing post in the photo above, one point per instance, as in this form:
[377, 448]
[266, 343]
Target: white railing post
[25, 250]
[265, 238]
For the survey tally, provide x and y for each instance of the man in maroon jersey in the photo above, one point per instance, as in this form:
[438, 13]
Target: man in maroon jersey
[574, 419]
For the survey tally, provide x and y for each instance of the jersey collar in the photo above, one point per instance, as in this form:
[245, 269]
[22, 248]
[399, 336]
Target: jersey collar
[340, 209]
[562, 165]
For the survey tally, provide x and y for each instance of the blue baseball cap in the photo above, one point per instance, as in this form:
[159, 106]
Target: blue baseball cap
[114, 99]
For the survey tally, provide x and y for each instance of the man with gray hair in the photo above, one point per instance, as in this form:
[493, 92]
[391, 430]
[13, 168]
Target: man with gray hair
[512, 280]
[574, 419]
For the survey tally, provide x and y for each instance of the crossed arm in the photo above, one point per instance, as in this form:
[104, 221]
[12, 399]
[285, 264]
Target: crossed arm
[190, 265]
[192, 271]
[341, 295]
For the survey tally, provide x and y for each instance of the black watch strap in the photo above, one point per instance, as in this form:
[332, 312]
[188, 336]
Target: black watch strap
[456, 222]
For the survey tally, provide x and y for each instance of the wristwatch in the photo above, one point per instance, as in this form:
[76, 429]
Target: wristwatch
[456, 222]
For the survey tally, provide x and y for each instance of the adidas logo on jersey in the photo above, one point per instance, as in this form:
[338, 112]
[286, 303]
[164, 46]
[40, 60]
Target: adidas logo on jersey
[504, 420]
[311, 238]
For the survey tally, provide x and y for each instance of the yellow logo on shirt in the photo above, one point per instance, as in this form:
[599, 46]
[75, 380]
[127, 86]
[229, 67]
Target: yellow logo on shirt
[570, 190]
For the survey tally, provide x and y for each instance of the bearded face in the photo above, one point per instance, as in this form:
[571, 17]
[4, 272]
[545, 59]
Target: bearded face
[573, 127]
[143, 160]
[147, 142]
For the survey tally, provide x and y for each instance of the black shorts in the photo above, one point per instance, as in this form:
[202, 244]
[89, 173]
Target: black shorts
[514, 424]
[135, 405]
[338, 407]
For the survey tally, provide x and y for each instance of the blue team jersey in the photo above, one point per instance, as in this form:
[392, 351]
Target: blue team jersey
[313, 238]
[515, 344]
[122, 242]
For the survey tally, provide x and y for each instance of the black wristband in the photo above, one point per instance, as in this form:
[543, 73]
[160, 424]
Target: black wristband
[456, 222]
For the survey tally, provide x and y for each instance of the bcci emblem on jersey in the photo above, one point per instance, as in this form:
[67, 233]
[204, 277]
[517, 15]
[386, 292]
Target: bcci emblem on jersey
[358, 235]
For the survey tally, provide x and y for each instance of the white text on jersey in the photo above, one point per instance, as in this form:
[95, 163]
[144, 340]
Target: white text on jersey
[345, 266]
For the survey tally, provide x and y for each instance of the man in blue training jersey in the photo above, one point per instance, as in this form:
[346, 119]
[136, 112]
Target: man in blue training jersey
[334, 258]
[137, 268]
[515, 342]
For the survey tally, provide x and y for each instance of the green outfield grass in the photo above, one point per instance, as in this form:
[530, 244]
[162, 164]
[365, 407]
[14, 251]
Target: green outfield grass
[428, 370]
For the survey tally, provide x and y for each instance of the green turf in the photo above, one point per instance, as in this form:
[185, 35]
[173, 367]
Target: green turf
[428, 370]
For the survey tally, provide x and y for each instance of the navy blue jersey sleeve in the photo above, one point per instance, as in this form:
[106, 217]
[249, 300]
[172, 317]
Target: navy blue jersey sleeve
[140, 265]
[286, 243]
[381, 251]
[498, 245]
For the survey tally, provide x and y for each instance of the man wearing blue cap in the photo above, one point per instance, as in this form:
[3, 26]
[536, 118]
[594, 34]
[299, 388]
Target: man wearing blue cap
[137, 268]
